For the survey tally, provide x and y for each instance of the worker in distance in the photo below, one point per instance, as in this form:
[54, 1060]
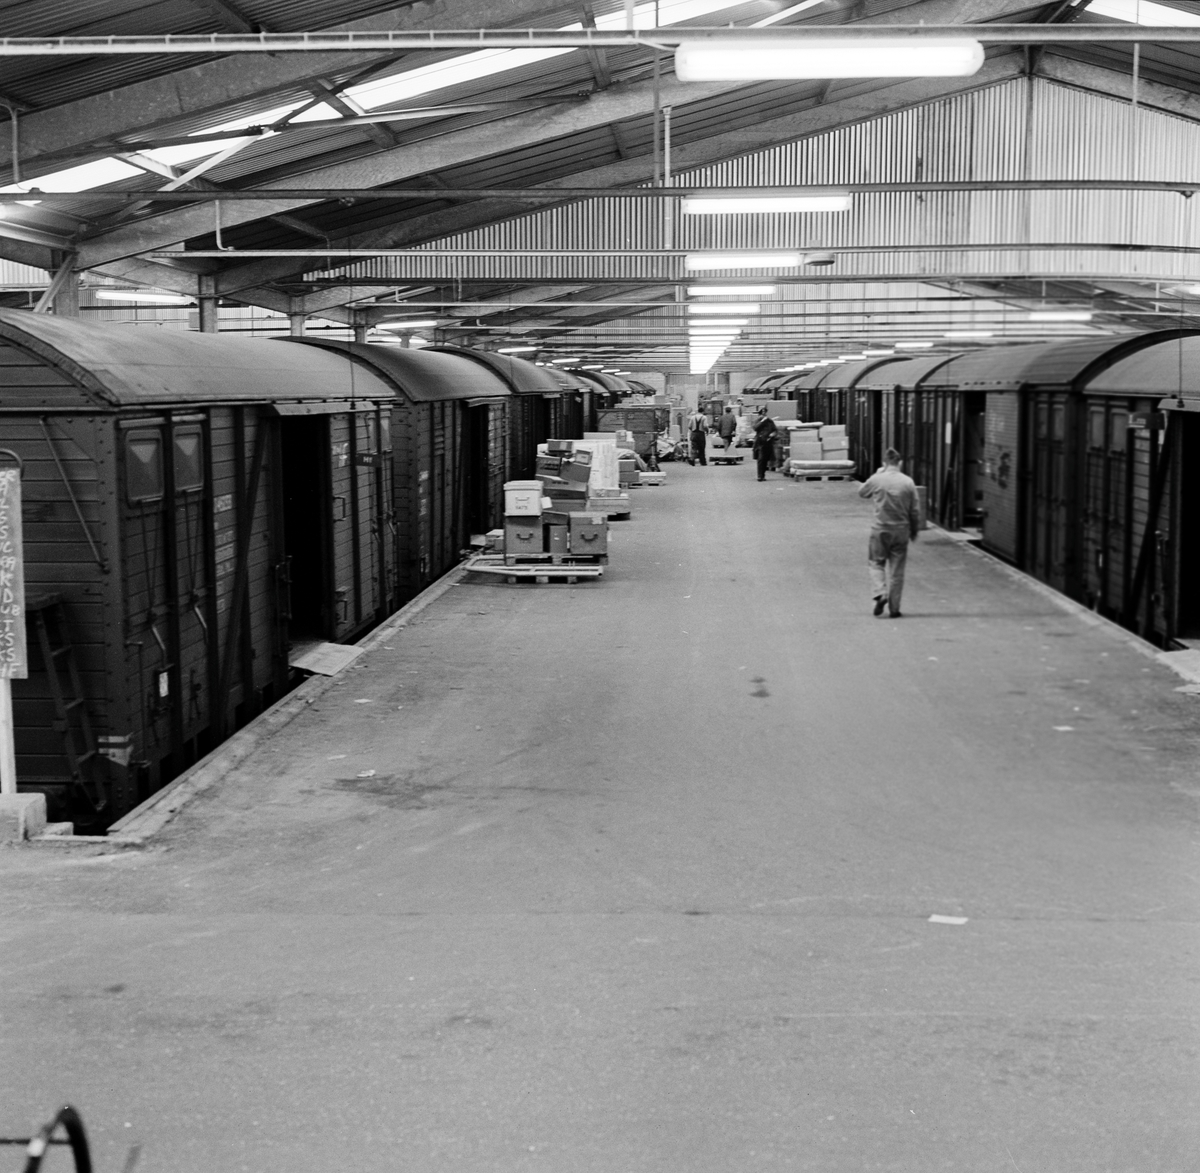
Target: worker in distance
[897, 521]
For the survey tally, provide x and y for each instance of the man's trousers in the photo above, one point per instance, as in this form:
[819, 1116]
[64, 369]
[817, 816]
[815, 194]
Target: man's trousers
[700, 447]
[887, 554]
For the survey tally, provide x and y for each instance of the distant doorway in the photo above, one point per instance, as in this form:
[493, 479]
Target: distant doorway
[1188, 532]
[306, 518]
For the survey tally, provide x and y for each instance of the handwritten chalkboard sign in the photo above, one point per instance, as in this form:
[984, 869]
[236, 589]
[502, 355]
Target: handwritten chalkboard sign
[14, 662]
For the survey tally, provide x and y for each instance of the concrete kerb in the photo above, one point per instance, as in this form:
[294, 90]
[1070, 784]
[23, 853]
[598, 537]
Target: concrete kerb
[137, 827]
[1064, 603]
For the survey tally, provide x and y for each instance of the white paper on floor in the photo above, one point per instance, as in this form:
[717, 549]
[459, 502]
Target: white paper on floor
[937, 919]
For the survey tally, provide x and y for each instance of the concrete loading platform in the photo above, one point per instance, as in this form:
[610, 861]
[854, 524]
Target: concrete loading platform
[639, 875]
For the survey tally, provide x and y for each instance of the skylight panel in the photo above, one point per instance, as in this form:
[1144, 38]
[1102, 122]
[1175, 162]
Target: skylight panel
[1142, 12]
[81, 178]
[488, 62]
[187, 152]
[319, 111]
[427, 78]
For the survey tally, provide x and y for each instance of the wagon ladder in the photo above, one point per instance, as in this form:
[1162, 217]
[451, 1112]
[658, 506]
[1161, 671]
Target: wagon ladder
[73, 722]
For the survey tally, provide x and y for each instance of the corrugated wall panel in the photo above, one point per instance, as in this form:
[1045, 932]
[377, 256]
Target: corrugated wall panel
[1018, 129]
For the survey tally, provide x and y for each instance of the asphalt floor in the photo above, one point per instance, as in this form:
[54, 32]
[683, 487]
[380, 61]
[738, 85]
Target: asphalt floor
[638, 875]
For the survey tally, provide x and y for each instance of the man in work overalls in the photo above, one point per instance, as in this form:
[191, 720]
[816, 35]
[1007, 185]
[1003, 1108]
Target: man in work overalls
[897, 520]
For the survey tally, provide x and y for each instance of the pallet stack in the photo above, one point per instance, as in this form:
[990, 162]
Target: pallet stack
[819, 452]
[537, 531]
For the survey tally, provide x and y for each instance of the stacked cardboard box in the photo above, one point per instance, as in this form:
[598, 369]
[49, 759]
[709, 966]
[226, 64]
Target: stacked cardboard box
[835, 444]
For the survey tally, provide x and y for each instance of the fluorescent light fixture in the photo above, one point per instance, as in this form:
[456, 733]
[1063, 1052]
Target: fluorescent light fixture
[850, 357]
[516, 349]
[567, 360]
[730, 205]
[1060, 316]
[878, 353]
[593, 367]
[743, 259]
[149, 296]
[422, 324]
[721, 307]
[718, 322]
[794, 60]
[730, 290]
[969, 334]
[914, 345]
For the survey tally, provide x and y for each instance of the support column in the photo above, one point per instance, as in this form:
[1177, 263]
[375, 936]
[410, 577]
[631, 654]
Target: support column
[360, 324]
[297, 324]
[66, 297]
[206, 290]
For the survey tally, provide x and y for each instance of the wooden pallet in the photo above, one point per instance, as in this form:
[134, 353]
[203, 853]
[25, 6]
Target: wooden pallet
[538, 572]
[653, 478]
[822, 476]
[725, 458]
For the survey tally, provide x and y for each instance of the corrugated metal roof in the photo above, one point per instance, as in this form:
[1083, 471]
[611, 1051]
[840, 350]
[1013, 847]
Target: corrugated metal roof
[137, 367]
[421, 376]
[608, 382]
[523, 378]
[1164, 368]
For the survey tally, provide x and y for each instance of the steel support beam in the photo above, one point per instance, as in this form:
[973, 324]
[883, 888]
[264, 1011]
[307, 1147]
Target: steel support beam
[489, 140]
[213, 86]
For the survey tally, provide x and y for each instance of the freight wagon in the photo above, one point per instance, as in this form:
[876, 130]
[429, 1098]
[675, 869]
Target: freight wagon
[175, 540]
[448, 425]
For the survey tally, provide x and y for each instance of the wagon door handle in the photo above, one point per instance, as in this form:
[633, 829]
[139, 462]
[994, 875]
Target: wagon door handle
[343, 501]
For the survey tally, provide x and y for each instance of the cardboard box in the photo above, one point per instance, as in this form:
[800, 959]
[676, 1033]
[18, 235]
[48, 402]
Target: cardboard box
[559, 447]
[575, 472]
[589, 534]
[802, 451]
[549, 465]
[581, 456]
[567, 489]
[570, 505]
[522, 535]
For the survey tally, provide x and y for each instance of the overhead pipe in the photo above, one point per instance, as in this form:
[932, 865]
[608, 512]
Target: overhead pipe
[1184, 187]
[586, 38]
[849, 249]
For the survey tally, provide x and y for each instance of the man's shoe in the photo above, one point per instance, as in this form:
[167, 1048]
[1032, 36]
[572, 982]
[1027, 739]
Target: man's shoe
[894, 615]
[880, 603]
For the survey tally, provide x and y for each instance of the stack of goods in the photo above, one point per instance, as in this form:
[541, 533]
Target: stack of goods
[627, 469]
[564, 472]
[835, 444]
[534, 531]
[523, 511]
[819, 448]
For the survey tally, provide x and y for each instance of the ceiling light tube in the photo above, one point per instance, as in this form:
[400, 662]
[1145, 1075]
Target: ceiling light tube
[148, 296]
[969, 334]
[707, 322]
[567, 360]
[741, 259]
[730, 290]
[423, 323]
[914, 345]
[516, 349]
[1060, 316]
[720, 307]
[746, 205]
[797, 60]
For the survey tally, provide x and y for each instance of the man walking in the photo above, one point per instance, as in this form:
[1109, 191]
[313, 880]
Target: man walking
[765, 431]
[727, 427]
[698, 435]
[897, 520]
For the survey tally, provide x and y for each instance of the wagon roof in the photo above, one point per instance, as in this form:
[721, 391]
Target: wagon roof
[1167, 367]
[1043, 364]
[852, 374]
[522, 376]
[608, 382]
[132, 366]
[422, 376]
[909, 373]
